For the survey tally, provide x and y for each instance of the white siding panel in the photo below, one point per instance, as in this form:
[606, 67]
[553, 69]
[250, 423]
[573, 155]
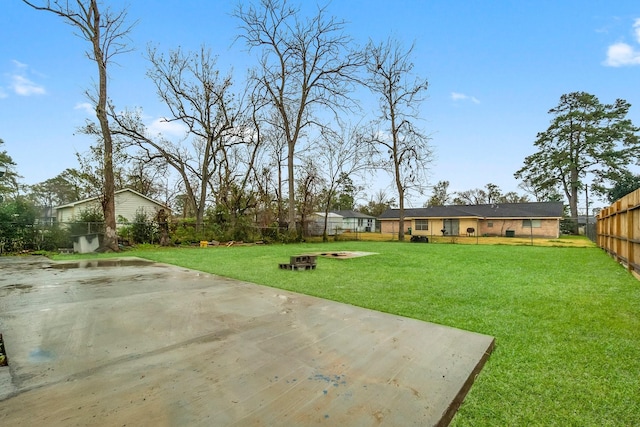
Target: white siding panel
[65, 214]
[128, 204]
[78, 209]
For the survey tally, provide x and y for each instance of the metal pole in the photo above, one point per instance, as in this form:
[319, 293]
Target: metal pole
[531, 228]
[586, 198]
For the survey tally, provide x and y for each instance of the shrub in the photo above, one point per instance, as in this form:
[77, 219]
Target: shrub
[186, 232]
[143, 229]
[89, 221]
[54, 238]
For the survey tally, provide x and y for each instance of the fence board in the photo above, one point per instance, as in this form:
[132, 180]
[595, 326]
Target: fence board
[618, 231]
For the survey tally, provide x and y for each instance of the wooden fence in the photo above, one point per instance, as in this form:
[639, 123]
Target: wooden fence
[618, 231]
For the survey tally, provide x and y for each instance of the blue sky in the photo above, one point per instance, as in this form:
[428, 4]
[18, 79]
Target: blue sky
[494, 67]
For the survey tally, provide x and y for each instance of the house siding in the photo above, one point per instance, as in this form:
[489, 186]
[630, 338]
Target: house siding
[393, 226]
[315, 225]
[340, 221]
[436, 225]
[351, 224]
[127, 203]
[549, 228]
[64, 214]
[72, 213]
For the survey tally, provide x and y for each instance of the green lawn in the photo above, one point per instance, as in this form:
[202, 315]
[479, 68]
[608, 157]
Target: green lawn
[566, 320]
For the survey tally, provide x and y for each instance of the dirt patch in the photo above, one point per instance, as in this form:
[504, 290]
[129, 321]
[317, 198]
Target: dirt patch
[342, 254]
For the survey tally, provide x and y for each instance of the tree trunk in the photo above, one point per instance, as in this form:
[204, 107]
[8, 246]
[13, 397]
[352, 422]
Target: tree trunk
[401, 214]
[325, 237]
[110, 241]
[573, 209]
[292, 195]
[573, 202]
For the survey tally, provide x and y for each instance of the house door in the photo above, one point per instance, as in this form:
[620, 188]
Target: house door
[451, 227]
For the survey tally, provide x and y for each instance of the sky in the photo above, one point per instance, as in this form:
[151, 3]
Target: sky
[495, 68]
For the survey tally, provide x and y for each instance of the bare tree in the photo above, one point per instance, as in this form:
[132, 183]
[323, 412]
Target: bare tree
[539, 194]
[342, 153]
[513, 197]
[310, 184]
[147, 177]
[402, 148]
[268, 177]
[476, 196]
[276, 145]
[107, 33]
[491, 193]
[378, 203]
[305, 65]
[199, 98]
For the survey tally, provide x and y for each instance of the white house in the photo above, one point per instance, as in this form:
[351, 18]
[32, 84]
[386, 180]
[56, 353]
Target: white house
[315, 225]
[341, 221]
[127, 203]
[356, 221]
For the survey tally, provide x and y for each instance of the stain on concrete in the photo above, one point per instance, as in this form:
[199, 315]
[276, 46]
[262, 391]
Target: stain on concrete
[39, 355]
[101, 263]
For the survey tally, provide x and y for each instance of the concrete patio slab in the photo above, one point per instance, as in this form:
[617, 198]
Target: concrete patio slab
[129, 342]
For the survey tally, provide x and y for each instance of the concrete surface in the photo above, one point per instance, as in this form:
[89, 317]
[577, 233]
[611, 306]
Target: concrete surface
[136, 343]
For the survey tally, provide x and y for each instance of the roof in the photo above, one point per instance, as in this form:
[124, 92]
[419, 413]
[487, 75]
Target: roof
[352, 214]
[494, 210]
[91, 199]
[329, 215]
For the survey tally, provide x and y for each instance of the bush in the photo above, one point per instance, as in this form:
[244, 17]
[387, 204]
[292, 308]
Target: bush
[54, 238]
[143, 229]
[568, 226]
[185, 232]
[89, 221]
[16, 225]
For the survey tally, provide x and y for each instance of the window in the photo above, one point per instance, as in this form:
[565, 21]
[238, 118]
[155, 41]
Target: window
[422, 224]
[360, 222]
[531, 223]
[490, 225]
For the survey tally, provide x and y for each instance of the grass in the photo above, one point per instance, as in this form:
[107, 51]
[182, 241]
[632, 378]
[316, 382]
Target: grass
[563, 241]
[566, 319]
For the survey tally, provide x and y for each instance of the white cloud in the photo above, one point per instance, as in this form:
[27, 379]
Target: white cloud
[3, 94]
[456, 96]
[18, 64]
[86, 107]
[20, 84]
[24, 87]
[168, 129]
[621, 54]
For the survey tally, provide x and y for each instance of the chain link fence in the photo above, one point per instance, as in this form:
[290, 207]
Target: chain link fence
[16, 237]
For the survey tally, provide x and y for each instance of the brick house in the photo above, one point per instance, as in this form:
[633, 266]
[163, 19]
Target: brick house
[536, 219]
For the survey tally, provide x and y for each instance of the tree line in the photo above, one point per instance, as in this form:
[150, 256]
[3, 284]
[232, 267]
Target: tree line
[292, 139]
[248, 144]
